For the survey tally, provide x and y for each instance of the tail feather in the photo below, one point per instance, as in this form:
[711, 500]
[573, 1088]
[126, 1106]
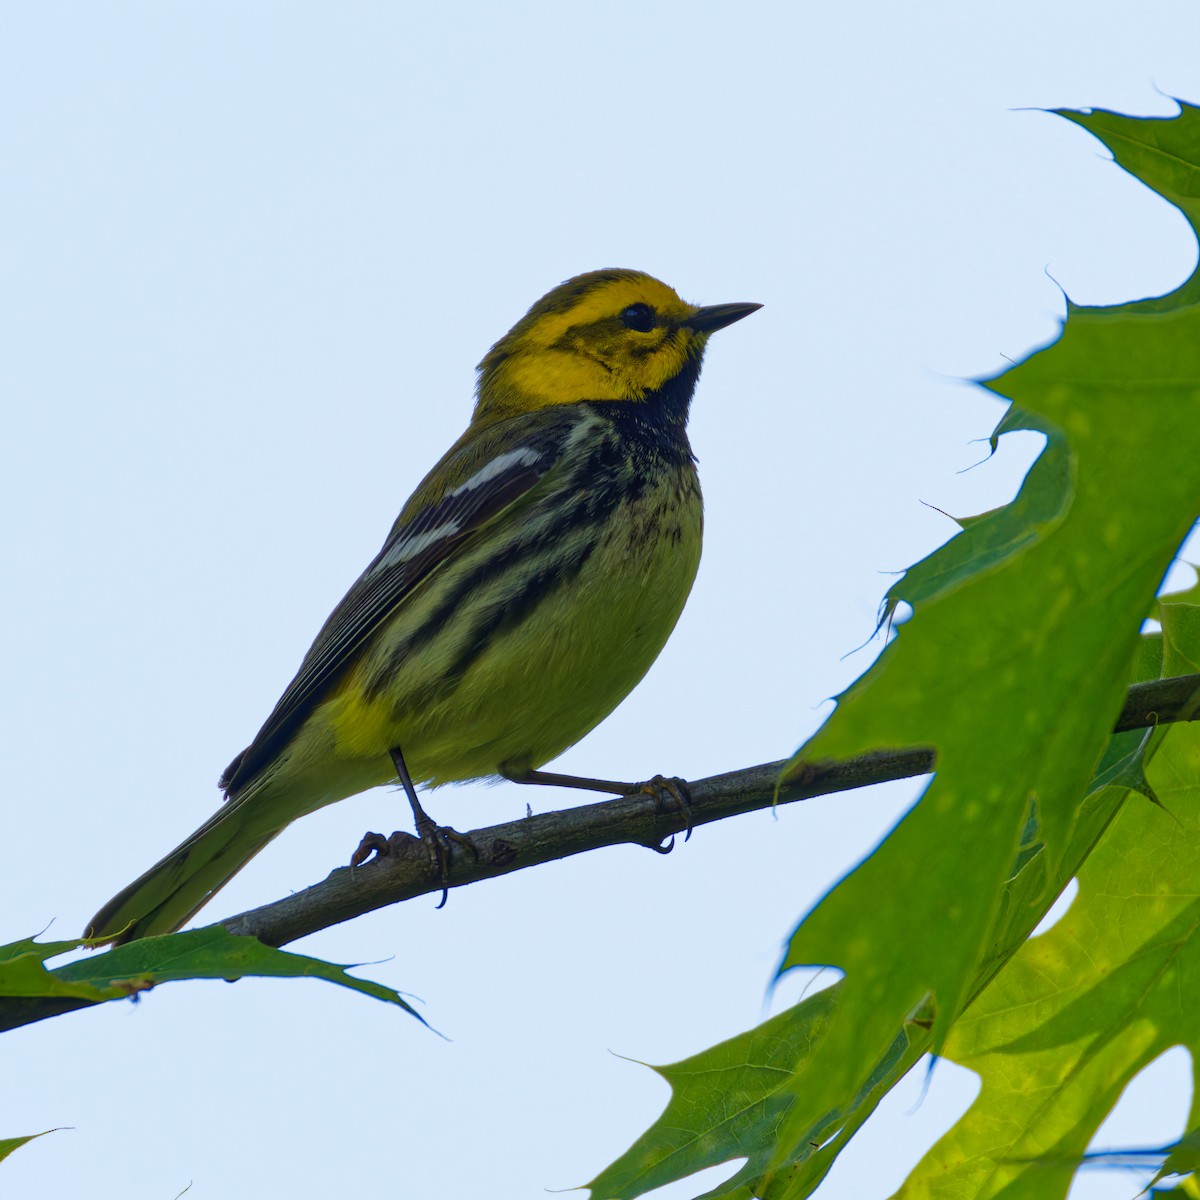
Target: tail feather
[172, 891]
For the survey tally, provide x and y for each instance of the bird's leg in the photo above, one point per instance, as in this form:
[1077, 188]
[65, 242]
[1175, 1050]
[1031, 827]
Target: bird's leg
[550, 779]
[659, 787]
[435, 838]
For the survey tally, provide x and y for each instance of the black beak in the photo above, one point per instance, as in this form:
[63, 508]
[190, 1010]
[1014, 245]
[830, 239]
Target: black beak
[717, 316]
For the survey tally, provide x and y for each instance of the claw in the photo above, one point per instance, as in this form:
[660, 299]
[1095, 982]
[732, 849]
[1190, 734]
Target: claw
[677, 789]
[372, 843]
[437, 840]
[380, 846]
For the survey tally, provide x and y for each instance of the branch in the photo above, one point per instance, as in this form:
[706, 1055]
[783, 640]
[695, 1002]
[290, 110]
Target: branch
[641, 819]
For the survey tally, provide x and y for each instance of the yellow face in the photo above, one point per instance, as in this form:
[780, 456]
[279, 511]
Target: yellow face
[608, 335]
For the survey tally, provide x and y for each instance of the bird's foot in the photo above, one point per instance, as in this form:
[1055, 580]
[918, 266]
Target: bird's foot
[670, 794]
[437, 840]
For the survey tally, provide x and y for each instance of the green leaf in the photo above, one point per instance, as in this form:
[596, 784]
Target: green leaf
[1080, 1010]
[209, 953]
[22, 973]
[1014, 675]
[1181, 635]
[1025, 631]
[993, 537]
[1162, 153]
[1123, 764]
[725, 1104]
[1183, 1157]
[1189, 595]
[8, 1145]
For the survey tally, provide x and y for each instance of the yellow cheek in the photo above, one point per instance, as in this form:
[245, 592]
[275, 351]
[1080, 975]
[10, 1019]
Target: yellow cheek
[665, 363]
[562, 377]
[579, 371]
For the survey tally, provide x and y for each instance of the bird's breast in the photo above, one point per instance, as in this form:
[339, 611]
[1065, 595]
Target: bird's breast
[536, 631]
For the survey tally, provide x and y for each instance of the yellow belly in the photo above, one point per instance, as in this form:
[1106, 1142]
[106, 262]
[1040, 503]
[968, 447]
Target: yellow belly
[537, 688]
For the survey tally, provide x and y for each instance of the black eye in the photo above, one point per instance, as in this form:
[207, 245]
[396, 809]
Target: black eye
[639, 317]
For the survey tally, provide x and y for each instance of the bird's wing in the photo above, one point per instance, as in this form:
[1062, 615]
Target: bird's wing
[486, 486]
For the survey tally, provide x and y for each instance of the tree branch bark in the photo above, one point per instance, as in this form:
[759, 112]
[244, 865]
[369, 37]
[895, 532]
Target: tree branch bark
[644, 819]
[641, 819]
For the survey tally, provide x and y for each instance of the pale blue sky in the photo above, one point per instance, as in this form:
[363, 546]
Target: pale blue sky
[251, 255]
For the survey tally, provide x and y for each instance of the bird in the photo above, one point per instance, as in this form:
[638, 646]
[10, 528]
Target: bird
[526, 587]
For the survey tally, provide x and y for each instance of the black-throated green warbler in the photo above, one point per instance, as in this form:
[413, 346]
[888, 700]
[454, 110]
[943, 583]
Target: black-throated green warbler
[525, 588]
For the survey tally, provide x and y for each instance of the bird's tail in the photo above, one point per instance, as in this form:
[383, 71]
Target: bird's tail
[169, 894]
